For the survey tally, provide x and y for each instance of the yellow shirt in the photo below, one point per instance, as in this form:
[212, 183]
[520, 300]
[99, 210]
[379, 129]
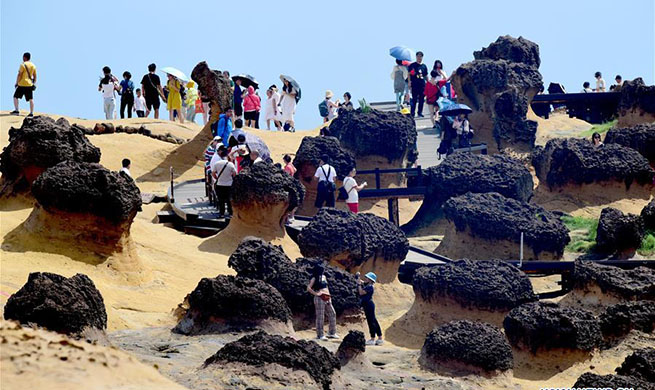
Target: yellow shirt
[25, 79]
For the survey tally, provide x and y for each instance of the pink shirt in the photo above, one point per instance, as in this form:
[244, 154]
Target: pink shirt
[290, 169]
[252, 102]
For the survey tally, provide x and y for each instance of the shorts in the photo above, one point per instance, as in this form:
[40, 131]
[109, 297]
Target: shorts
[24, 91]
[152, 102]
[250, 115]
[354, 207]
[238, 110]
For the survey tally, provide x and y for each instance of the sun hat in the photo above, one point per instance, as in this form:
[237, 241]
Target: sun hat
[328, 94]
[217, 138]
[372, 277]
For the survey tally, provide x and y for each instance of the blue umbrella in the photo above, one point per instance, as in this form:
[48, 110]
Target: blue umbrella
[402, 53]
[455, 109]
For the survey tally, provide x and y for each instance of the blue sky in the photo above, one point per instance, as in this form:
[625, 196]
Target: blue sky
[337, 45]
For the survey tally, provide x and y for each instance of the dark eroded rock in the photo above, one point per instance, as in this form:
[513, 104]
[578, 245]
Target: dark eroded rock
[619, 319]
[310, 151]
[618, 232]
[353, 345]
[511, 49]
[259, 349]
[632, 284]
[476, 344]
[590, 380]
[60, 304]
[546, 325]
[227, 303]
[648, 216]
[640, 364]
[636, 103]
[640, 138]
[264, 184]
[213, 85]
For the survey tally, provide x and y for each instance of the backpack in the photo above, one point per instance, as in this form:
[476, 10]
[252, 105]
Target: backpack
[343, 193]
[398, 81]
[323, 108]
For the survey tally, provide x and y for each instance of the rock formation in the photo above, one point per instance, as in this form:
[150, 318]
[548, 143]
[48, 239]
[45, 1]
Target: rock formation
[619, 233]
[544, 326]
[260, 349]
[636, 103]
[257, 259]
[590, 380]
[648, 216]
[640, 138]
[229, 303]
[619, 319]
[213, 85]
[352, 348]
[469, 346]
[460, 173]
[640, 364]
[40, 143]
[488, 225]
[307, 159]
[355, 242]
[64, 305]
[499, 86]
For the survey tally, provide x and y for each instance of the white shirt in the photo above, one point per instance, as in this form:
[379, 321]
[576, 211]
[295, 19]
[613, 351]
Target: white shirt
[108, 90]
[331, 173]
[127, 171]
[140, 103]
[225, 179]
[257, 160]
[600, 85]
[349, 184]
[215, 158]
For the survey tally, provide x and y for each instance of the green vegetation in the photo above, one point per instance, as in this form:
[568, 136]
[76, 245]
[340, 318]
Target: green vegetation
[600, 129]
[647, 245]
[364, 106]
[582, 232]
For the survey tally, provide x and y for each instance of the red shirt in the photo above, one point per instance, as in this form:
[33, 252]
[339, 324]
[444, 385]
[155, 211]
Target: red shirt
[431, 93]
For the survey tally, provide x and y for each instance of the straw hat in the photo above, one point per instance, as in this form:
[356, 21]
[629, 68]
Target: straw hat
[328, 94]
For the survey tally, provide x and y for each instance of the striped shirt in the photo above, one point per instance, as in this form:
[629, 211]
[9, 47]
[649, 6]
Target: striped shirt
[209, 153]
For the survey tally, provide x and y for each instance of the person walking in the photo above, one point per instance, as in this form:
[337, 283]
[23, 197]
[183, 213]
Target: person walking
[209, 154]
[365, 289]
[108, 84]
[205, 107]
[25, 84]
[190, 102]
[325, 174]
[290, 169]
[318, 287]
[127, 94]
[140, 104]
[152, 90]
[174, 100]
[418, 73]
[352, 191]
[251, 106]
[399, 76]
[272, 100]
[237, 99]
[223, 172]
[223, 127]
[431, 96]
[288, 103]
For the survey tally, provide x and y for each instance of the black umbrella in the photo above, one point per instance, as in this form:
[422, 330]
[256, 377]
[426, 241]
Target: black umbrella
[246, 80]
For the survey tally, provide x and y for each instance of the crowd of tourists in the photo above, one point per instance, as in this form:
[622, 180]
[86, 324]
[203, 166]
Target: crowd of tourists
[600, 84]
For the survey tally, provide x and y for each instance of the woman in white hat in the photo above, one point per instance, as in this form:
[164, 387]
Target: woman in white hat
[333, 107]
[366, 290]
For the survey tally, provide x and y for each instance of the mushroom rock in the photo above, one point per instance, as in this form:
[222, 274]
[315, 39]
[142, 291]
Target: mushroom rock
[307, 159]
[640, 138]
[471, 347]
[636, 103]
[355, 242]
[619, 233]
[648, 215]
[460, 173]
[577, 167]
[640, 364]
[257, 259]
[589, 380]
[213, 85]
[545, 326]
[261, 349]
[234, 303]
[352, 348]
[619, 319]
[40, 143]
[64, 305]
[499, 86]
[489, 225]
[481, 290]
[262, 196]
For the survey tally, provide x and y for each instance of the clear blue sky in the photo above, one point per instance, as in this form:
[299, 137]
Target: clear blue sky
[337, 45]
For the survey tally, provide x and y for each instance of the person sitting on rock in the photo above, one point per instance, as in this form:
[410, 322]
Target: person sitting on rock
[619, 83]
[595, 139]
[365, 289]
[586, 88]
[223, 172]
[600, 82]
[126, 163]
[318, 287]
[326, 187]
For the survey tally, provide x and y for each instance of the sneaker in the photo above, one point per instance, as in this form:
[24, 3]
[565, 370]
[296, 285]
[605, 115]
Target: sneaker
[370, 342]
[379, 342]
[15, 112]
[322, 338]
[30, 115]
[421, 116]
[333, 336]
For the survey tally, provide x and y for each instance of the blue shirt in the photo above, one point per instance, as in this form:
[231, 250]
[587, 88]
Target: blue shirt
[223, 128]
[125, 85]
[368, 297]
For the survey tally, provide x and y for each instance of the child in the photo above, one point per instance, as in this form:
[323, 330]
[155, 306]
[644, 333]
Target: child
[431, 94]
[140, 104]
[353, 189]
[366, 290]
[585, 87]
[127, 164]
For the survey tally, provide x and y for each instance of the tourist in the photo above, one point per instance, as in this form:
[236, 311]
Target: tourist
[441, 74]
[226, 74]
[127, 164]
[448, 134]
[318, 287]
[366, 290]
[254, 157]
[127, 94]
[347, 104]
[272, 99]
[191, 98]
[288, 103]
[585, 87]
[288, 165]
[352, 191]
[205, 107]
[463, 129]
[174, 99]
[25, 84]
[237, 99]
[223, 127]
[326, 187]
[209, 154]
[139, 104]
[619, 83]
[600, 83]
[108, 84]
[152, 90]
[595, 139]
[328, 108]
[223, 172]
[399, 76]
[431, 96]
[418, 73]
[251, 105]
[239, 151]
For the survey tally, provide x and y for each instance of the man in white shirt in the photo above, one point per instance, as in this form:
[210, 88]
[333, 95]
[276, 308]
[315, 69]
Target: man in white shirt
[326, 187]
[126, 163]
[223, 172]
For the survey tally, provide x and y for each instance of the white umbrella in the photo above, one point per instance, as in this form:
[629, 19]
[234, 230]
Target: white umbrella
[175, 73]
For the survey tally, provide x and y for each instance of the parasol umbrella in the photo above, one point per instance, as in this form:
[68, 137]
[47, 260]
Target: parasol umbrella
[175, 73]
[293, 83]
[254, 143]
[246, 80]
[402, 53]
[455, 109]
